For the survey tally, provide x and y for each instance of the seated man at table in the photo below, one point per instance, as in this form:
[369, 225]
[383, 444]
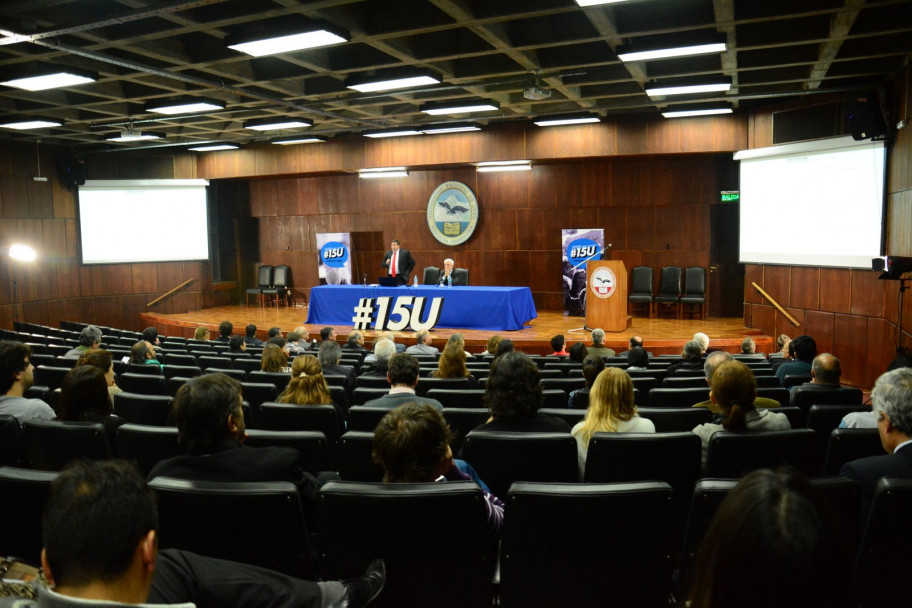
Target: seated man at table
[402, 374]
[446, 276]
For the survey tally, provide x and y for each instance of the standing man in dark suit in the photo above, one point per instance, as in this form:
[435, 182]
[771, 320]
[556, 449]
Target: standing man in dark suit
[892, 398]
[398, 262]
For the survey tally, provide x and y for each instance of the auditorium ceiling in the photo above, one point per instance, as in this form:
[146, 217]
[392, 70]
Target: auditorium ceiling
[527, 59]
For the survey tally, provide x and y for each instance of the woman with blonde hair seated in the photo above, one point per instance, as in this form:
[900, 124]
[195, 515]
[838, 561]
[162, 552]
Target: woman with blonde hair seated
[733, 388]
[307, 385]
[274, 359]
[452, 362]
[201, 333]
[611, 410]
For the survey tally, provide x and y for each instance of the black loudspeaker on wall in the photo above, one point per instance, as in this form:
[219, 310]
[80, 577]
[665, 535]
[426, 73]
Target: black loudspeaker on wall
[71, 172]
[864, 117]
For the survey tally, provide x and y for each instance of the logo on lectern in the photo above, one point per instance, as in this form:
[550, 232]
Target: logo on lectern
[603, 283]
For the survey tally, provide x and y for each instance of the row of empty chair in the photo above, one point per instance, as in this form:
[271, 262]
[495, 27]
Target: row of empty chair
[671, 293]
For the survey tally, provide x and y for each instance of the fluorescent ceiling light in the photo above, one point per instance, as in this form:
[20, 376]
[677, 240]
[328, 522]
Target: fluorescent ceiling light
[214, 148]
[23, 253]
[492, 168]
[463, 107]
[310, 139]
[688, 89]
[456, 127]
[291, 42]
[48, 81]
[500, 163]
[35, 123]
[394, 83]
[391, 133]
[188, 106]
[274, 125]
[383, 172]
[556, 121]
[696, 112]
[681, 51]
[597, 2]
[134, 135]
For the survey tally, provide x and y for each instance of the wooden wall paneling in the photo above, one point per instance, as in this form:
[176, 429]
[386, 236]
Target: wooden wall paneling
[850, 346]
[760, 129]
[899, 223]
[596, 184]
[784, 326]
[54, 238]
[682, 228]
[613, 220]
[625, 183]
[184, 166]
[6, 288]
[891, 301]
[9, 231]
[835, 290]
[631, 136]
[103, 166]
[510, 190]
[730, 133]
[88, 311]
[664, 137]
[44, 279]
[14, 195]
[110, 309]
[264, 198]
[867, 293]
[338, 194]
[170, 275]
[776, 282]
[304, 199]
[804, 287]
[68, 283]
[881, 347]
[763, 317]
[696, 134]
[507, 142]
[72, 238]
[286, 197]
[40, 200]
[748, 314]
[379, 153]
[35, 311]
[572, 141]
[63, 201]
[145, 278]
[641, 228]
[31, 232]
[119, 279]
[820, 326]
[270, 159]
[554, 186]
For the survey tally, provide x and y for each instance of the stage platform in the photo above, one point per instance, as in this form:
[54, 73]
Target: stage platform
[661, 336]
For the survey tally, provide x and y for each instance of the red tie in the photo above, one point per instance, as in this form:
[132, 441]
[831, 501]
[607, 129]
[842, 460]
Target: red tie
[394, 264]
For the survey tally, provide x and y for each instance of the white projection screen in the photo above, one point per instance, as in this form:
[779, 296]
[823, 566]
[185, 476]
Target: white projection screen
[122, 221]
[815, 203]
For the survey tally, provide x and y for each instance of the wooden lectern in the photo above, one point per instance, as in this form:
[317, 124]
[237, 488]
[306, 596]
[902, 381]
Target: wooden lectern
[606, 295]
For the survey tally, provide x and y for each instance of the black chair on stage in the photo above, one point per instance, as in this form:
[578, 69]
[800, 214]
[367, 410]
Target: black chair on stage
[430, 275]
[281, 285]
[669, 290]
[694, 290]
[264, 281]
[641, 287]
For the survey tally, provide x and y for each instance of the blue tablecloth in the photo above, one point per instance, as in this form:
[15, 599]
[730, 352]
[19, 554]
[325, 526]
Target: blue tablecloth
[490, 308]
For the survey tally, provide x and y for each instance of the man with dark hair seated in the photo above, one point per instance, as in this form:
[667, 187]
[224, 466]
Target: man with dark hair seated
[142, 353]
[402, 374]
[250, 336]
[557, 345]
[805, 348]
[237, 344]
[211, 428]
[16, 375]
[225, 329]
[101, 549]
[412, 444]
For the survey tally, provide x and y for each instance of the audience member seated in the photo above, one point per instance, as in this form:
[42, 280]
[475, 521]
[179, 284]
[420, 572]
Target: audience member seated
[703, 340]
[592, 367]
[142, 353]
[104, 361]
[355, 342]
[452, 362]
[805, 350]
[577, 352]
[868, 420]
[691, 359]
[400, 348]
[557, 345]
[250, 338]
[637, 359]
[892, 404]
[16, 376]
[422, 346]
[293, 343]
[491, 345]
[598, 347]
[91, 501]
[505, 346]
[712, 363]
[748, 346]
[237, 344]
[412, 444]
[514, 395]
[633, 343]
[775, 541]
[280, 342]
[84, 397]
[308, 386]
[225, 329]
[274, 332]
[733, 390]
[327, 334]
[330, 356]
[383, 350]
[301, 340]
[402, 374]
[611, 410]
[274, 359]
[201, 333]
[89, 337]
[210, 424]
[825, 374]
[150, 335]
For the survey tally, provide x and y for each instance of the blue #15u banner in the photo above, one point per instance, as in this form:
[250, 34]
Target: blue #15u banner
[580, 245]
[335, 258]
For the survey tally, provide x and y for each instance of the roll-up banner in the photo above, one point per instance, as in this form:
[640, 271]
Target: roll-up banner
[580, 245]
[335, 258]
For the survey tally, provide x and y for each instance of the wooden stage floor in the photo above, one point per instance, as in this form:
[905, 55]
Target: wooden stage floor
[661, 336]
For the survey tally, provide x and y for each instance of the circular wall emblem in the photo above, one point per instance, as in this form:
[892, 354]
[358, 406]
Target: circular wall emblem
[603, 283]
[452, 213]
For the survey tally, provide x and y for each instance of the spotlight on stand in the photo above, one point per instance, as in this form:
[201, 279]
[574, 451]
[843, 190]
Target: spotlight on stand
[892, 267]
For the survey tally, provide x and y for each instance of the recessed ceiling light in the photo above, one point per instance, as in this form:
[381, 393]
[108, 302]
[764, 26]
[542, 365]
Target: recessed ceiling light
[566, 119]
[455, 127]
[128, 135]
[310, 139]
[42, 82]
[383, 172]
[214, 148]
[656, 91]
[287, 34]
[391, 133]
[184, 106]
[275, 125]
[459, 107]
[597, 2]
[379, 83]
[491, 163]
[696, 112]
[681, 51]
[31, 123]
[493, 168]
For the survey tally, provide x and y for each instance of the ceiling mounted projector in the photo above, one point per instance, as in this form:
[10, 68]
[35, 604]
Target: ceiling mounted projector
[536, 93]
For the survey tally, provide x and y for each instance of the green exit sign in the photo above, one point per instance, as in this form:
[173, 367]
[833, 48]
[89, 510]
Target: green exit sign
[731, 196]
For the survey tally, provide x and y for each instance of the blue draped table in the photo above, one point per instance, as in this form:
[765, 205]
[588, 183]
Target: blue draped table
[490, 308]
